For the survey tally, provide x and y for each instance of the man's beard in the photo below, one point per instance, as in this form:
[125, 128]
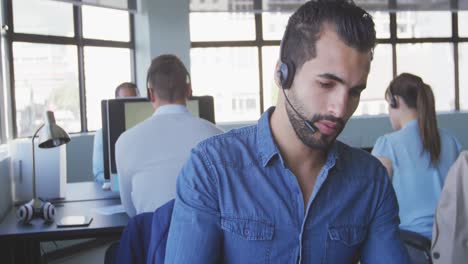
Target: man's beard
[315, 140]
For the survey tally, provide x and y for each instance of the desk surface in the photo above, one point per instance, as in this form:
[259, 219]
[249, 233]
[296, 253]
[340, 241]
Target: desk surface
[101, 225]
[82, 199]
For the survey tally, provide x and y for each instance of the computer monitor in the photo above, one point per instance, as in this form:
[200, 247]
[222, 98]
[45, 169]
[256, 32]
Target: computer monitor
[119, 115]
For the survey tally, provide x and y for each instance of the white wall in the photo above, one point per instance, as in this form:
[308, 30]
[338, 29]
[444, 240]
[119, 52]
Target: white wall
[50, 170]
[161, 26]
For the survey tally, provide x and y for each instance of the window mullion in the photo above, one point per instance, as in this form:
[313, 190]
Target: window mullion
[456, 59]
[8, 17]
[77, 18]
[259, 39]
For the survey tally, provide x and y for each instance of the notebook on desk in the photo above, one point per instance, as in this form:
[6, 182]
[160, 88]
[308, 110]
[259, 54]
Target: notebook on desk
[110, 209]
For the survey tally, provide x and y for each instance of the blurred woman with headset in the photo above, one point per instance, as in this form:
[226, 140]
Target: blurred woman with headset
[417, 154]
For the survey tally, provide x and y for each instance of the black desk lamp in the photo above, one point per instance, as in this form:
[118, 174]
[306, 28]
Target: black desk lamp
[51, 136]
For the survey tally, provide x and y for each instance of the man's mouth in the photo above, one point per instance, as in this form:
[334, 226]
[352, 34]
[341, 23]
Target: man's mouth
[327, 127]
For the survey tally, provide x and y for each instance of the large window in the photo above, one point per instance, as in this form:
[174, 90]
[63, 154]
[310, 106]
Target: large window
[231, 76]
[65, 58]
[105, 69]
[372, 98]
[424, 24]
[463, 23]
[43, 18]
[436, 70]
[236, 26]
[236, 64]
[270, 88]
[46, 78]
[3, 97]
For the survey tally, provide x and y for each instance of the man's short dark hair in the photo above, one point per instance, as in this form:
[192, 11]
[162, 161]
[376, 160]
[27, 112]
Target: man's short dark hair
[126, 85]
[353, 25]
[168, 77]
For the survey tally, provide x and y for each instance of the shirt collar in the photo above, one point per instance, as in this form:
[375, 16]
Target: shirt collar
[170, 109]
[333, 156]
[265, 142]
[268, 148]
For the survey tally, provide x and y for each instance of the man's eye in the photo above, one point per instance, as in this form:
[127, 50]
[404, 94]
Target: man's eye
[326, 84]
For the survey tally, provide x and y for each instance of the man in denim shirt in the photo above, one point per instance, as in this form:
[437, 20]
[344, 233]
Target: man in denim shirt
[284, 190]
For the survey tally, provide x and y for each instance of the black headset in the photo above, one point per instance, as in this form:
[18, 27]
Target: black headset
[285, 73]
[28, 211]
[286, 69]
[393, 101]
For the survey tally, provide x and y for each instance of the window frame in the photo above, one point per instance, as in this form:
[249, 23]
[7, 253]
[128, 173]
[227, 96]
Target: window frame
[78, 41]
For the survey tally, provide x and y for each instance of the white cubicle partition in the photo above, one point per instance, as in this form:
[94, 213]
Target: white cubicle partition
[51, 171]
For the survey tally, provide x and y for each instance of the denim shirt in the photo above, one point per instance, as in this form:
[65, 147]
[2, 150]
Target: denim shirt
[237, 202]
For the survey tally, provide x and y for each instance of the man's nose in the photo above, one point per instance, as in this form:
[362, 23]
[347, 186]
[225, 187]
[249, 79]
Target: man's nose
[339, 104]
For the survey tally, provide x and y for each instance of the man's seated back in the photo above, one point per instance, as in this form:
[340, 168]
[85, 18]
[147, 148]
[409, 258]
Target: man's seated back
[150, 155]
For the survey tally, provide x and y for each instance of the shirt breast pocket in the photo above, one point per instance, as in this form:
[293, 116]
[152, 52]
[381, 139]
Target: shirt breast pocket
[344, 243]
[251, 237]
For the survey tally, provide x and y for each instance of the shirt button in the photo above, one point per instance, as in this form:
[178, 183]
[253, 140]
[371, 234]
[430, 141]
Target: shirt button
[246, 232]
[436, 255]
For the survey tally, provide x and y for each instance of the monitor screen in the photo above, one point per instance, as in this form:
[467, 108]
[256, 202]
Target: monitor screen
[135, 112]
[119, 115]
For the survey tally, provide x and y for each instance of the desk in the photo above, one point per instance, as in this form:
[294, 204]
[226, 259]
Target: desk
[20, 243]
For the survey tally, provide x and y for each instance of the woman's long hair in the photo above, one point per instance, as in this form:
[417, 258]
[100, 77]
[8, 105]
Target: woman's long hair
[418, 95]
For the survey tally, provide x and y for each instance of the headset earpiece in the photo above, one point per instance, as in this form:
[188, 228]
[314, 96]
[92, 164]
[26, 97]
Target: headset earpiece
[286, 69]
[391, 95]
[286, 72]
[25, 213]
[393, 102]
[48, 212]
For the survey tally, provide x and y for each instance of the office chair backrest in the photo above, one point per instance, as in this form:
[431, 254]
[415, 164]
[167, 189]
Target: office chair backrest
[144, 238]
[159, 232]
[450, 230]
[135, 239]
[418, 246]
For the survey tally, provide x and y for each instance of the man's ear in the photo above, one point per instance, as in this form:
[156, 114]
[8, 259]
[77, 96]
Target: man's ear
[188, 93]
[150, 94]
[277, 81]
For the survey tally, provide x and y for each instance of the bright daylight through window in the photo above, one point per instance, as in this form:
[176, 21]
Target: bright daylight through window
[58, 67]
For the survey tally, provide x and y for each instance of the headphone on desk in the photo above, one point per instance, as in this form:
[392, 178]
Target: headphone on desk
[28, 211]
